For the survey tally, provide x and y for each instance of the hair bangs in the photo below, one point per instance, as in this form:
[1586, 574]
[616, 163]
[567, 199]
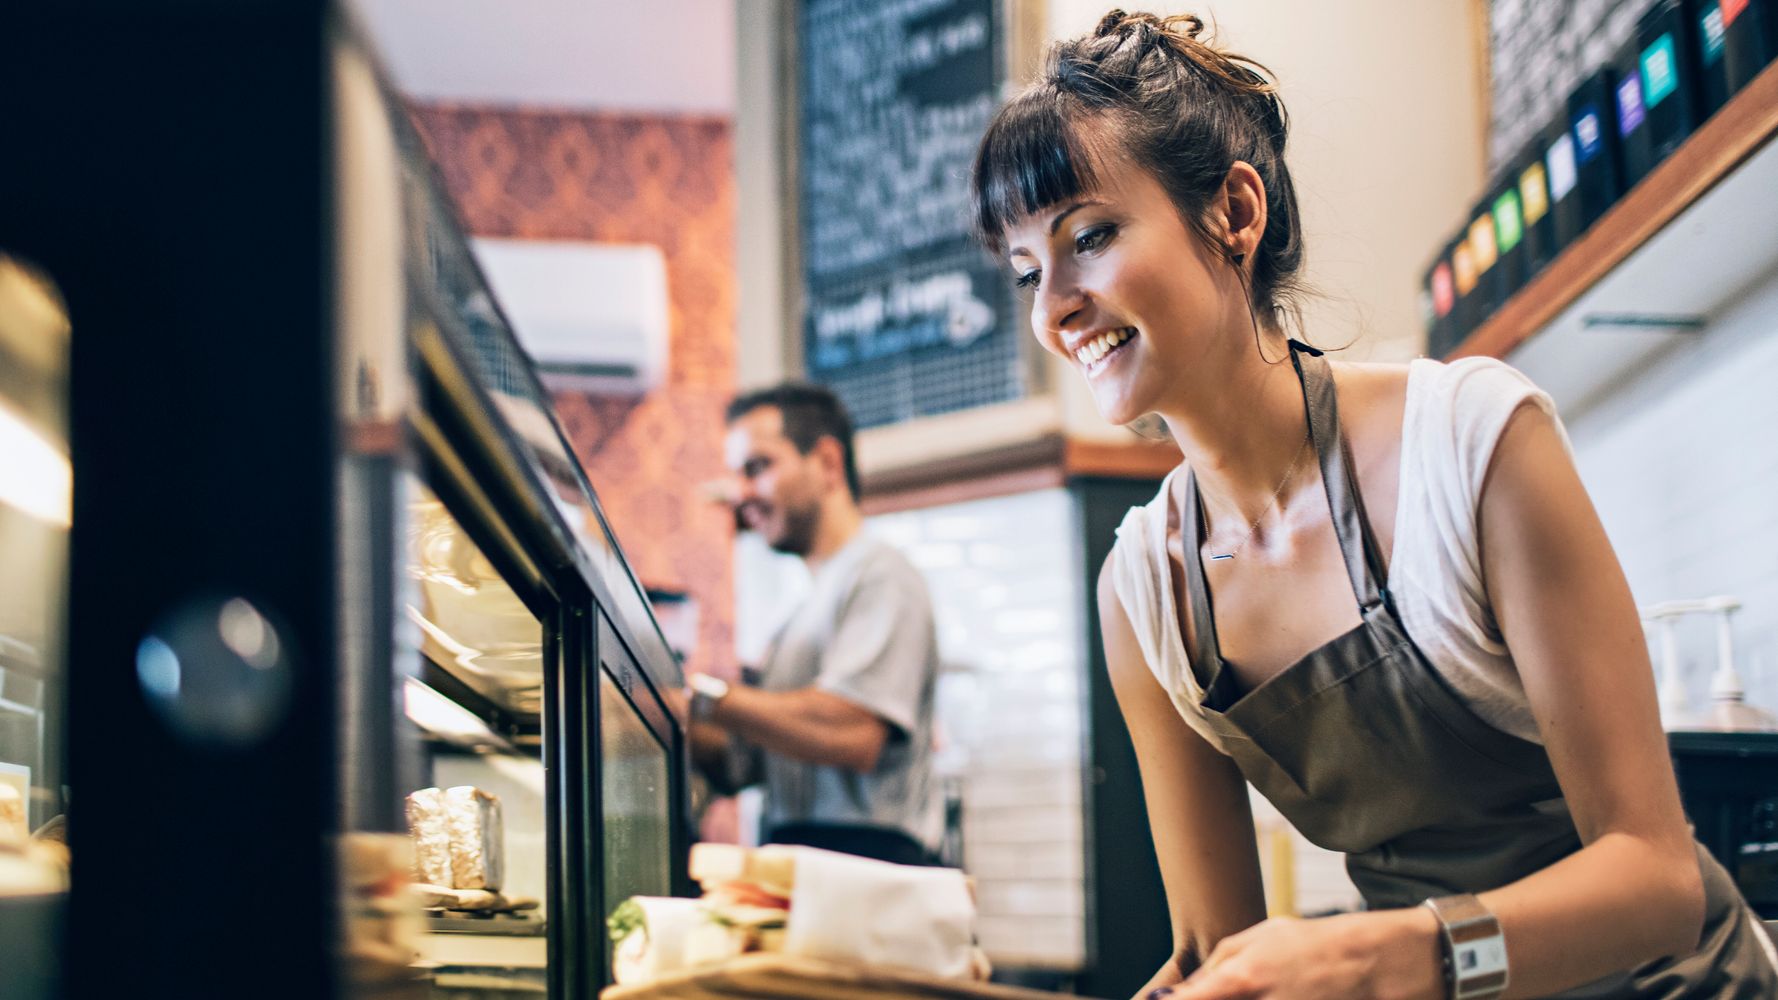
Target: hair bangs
[1031, 157]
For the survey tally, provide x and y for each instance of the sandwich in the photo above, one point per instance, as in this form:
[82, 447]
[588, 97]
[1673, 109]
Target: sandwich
[805, 902]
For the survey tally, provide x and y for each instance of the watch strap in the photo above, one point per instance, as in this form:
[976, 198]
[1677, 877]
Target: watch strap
[706, 692]
[1474, 947]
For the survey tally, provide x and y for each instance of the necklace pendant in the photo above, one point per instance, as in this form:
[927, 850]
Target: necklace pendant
[1226, 555]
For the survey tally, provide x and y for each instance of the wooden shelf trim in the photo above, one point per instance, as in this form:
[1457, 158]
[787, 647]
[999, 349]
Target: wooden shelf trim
[1043, 463]
[1724, 142]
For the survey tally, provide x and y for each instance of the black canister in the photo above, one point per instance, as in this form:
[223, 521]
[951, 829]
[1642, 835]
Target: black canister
[1635, 139]
[1484, 250]
[1750, 39]
[1509, 234]
[1713, 66]
[1438, 302]
[1592, 117]
[1535, 209]
[1562, 171]
[1668, 62]
[1467, 311]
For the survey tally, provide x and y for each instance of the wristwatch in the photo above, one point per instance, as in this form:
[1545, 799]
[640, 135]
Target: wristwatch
[706, 691]
[1474, 948]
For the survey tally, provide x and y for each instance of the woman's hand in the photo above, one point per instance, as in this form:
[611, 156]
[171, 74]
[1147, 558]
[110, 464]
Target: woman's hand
[1387, 955]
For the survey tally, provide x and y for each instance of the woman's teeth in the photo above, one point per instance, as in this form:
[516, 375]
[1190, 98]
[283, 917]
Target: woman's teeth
[1094, 350]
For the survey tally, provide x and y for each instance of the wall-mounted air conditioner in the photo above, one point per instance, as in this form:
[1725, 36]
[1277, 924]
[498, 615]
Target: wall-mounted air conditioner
[592, 315]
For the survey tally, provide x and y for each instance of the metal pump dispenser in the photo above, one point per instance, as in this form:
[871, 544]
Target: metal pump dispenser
[1728, 711]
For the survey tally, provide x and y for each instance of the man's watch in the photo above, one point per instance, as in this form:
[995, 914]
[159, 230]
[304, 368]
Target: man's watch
[1474, 948]
[706, 691]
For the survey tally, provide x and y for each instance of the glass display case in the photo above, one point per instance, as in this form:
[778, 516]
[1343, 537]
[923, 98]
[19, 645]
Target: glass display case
[308, 604]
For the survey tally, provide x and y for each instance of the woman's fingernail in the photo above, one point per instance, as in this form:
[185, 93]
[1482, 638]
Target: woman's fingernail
[1161, 994]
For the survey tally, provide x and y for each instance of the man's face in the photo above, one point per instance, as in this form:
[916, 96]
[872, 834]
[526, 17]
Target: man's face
[778, 489]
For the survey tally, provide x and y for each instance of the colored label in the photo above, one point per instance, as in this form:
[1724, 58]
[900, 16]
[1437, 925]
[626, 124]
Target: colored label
[1590, 140]
[1482, 244]
[1463, 268]
[1732, 9]
[1563, 172]
[1630, 111]
[1534, 193]
[1444, 296]
[1509, 226]
[1715, 31]
[1660, 71]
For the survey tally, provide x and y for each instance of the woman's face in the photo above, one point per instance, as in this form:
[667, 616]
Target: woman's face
[1127, 293]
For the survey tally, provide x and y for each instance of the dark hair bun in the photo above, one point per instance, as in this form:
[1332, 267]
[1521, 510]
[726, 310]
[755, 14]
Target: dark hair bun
[1181, 26]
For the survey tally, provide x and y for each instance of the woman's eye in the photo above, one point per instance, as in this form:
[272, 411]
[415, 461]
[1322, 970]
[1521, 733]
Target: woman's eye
[1028, 280]
[1093, 239]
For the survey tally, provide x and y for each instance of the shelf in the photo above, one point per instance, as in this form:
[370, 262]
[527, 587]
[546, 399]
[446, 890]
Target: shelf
[1045, 462]
[1695, 231]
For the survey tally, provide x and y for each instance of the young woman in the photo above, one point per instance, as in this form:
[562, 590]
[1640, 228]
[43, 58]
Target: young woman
[1378, 593]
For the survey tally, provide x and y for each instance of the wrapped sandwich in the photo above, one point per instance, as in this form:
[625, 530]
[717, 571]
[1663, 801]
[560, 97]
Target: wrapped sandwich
[457, 838]
[801, 901]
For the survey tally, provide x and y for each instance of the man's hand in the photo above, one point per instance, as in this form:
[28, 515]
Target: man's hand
[807, 724]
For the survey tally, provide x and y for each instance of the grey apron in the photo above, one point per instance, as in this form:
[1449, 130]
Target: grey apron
[1367, 751]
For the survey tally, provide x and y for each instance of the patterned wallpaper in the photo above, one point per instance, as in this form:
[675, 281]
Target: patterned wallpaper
[616, 178]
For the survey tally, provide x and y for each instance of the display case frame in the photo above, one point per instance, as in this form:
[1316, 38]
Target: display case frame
[186, 175]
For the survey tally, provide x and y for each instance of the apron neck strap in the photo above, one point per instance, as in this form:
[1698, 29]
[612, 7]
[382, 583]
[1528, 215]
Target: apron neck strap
[1364, 563]
[1206, 651]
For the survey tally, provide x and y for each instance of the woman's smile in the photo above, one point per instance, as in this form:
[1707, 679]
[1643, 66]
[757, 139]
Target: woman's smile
[1096, 353]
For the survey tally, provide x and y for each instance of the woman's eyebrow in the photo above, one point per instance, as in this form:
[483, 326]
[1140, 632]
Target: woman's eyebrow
[1056, 223]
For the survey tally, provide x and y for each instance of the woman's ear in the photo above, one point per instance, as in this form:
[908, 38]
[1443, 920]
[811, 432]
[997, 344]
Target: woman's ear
[1243, 204]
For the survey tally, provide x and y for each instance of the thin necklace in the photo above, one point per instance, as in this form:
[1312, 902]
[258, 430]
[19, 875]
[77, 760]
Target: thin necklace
[1298, 460]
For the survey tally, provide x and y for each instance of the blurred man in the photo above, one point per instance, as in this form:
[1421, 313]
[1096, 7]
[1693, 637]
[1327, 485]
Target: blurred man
[839, 727]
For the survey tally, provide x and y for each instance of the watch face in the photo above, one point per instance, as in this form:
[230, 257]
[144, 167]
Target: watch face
[1481, 958]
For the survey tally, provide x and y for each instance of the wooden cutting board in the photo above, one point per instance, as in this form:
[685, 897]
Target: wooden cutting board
[780, 977]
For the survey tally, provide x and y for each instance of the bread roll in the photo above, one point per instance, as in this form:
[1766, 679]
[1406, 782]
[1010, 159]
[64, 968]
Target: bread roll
[771, 869]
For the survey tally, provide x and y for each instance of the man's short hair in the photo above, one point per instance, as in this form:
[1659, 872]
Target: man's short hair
[811, 412]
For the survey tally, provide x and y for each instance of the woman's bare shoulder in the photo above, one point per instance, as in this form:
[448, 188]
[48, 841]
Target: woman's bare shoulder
[1373, 396]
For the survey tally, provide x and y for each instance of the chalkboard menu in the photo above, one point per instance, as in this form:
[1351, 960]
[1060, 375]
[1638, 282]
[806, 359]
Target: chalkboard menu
[903, 315]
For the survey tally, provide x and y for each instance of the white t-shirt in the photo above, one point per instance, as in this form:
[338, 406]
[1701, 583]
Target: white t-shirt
[865, 632]
[1454, 417]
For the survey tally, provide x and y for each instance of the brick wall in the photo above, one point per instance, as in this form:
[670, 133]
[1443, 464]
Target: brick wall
[621, 178]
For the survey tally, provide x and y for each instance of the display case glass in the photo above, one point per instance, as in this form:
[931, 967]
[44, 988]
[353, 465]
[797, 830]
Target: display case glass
[477, 707]
[528, 664]
[636, 773]
[35, 485]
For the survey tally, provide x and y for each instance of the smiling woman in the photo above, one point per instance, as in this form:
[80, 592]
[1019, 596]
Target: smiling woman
[1419, 646]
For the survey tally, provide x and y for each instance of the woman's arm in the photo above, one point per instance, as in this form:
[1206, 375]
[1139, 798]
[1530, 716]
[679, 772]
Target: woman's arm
[1197, 806]
[1633, 893]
